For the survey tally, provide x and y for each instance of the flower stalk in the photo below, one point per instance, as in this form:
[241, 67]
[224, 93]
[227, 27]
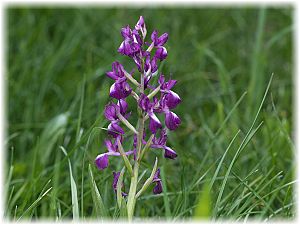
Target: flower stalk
[132, 191]
[151, 100]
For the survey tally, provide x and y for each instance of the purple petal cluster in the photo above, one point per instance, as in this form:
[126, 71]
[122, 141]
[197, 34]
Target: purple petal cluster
[156, 179]
[156, 101]
[120, 89]
[115, 182]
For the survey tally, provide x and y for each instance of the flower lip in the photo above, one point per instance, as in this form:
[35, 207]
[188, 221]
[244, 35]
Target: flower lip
[110, 112]
[120, 90]
[154, 123]
[114, 129]
[170, 153]
[156, 179]
[158, 188]
[144, 103]
[161, 53]
[101, 161]
[172, 100]
[172, 120]
[156, 176]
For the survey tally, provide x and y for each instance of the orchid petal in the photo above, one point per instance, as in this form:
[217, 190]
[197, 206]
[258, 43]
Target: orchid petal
[172, 120]
[172, 100]
[101, 161]
[170, 153]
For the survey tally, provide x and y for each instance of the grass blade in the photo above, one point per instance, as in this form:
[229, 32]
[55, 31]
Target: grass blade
[203, 208]
[75, 208]
[100, 208]
[35, 203]
[241, 147]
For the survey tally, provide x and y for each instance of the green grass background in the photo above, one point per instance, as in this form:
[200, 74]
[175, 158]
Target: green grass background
[223, 59]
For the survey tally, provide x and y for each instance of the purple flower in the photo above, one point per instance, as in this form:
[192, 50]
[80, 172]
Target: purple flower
[129, 48]
[159, 41]
[147, 106]
[160, 143]
[132, 43]
[115, 182]
[141, 26]
[150, 64]
[169, 100]
[101, 160]
[111, 110]
[117, 71]
[156, 179]
[166, 86]
[172, 120]
[120, 89]
[111, 113]
[161, 53]
[172, 99]
[114, 129]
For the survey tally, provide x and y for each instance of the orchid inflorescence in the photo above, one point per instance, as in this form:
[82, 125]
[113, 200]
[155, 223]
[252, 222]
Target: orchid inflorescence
[146, 57]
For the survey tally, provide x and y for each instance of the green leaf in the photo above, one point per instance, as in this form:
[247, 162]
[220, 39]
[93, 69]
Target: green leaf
[148, 181]
[37, 201]
[126, 160]
[119, 187]
[123, 209]
[97, 199]
[203, 208]
[51, 133]
[75, 207]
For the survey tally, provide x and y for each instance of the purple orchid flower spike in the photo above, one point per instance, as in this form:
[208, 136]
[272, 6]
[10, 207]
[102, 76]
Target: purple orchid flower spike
[156, 179]
[152, 98]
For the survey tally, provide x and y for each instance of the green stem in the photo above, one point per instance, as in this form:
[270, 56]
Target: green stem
[132, 191]
[134, 179]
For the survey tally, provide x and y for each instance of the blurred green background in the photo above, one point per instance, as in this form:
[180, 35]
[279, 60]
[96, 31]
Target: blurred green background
[223, 59]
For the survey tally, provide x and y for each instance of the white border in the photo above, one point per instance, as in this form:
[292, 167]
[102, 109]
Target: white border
[206, 3]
